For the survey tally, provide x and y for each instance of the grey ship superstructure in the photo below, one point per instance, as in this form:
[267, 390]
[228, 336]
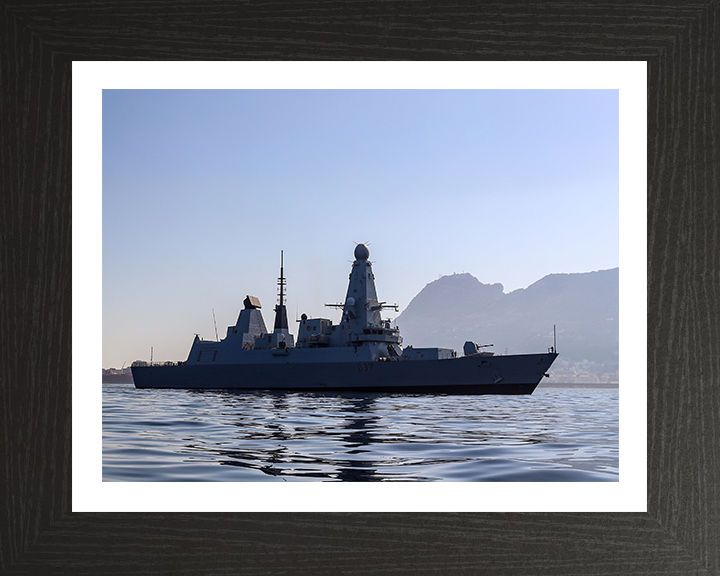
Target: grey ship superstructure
[361, 353]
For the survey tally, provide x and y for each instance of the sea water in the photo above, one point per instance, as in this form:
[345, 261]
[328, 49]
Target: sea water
[557, 434]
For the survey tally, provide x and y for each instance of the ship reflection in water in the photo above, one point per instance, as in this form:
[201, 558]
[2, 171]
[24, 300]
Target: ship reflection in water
[554, 435]
[356, 424]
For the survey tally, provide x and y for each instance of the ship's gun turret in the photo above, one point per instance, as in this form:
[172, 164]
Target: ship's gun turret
[471, 347]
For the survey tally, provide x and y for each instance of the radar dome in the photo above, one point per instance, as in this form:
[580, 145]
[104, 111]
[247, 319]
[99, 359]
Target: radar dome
[361, 252]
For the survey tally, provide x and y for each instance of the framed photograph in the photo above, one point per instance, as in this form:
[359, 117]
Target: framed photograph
[63, 519]
[541, 161]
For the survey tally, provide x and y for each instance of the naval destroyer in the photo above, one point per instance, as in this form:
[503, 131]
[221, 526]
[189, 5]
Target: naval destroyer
[363, 353]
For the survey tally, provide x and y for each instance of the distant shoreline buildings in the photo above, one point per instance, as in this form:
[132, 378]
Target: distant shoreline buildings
[585, 372]
[121, 375]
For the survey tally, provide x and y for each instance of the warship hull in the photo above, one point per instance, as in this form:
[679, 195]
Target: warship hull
[362, 353]
[474, 374]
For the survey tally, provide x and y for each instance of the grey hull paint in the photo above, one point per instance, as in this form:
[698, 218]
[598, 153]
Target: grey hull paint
[476, 374]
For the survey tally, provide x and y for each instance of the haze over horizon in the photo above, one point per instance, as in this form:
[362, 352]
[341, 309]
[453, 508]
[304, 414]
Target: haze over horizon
[203, 188]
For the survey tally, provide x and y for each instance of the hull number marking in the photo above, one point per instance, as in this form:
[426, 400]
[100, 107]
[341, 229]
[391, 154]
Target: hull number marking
[364, 367]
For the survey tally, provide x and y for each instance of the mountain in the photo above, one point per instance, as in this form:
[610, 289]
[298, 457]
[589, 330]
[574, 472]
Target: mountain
[584, 307]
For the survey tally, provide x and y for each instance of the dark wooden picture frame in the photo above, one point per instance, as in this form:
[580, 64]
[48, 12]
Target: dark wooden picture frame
[680, 533]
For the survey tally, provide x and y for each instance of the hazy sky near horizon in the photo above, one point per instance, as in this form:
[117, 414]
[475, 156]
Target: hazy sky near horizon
[203, 188]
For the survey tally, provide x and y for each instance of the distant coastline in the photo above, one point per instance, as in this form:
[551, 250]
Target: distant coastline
[117, 376]
[578, 385]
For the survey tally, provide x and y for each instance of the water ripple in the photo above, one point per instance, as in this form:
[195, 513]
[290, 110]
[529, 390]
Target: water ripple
[555, 435]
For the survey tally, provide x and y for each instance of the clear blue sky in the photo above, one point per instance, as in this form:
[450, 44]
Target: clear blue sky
[203, 188]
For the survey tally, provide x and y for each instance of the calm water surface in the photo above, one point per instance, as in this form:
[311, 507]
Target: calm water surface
[555, 435]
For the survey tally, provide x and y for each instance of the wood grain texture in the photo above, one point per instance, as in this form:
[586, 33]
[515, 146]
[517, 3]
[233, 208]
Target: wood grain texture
[681, 532]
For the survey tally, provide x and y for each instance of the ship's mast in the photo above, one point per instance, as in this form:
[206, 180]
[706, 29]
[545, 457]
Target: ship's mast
[281, 280]
[280, 311]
